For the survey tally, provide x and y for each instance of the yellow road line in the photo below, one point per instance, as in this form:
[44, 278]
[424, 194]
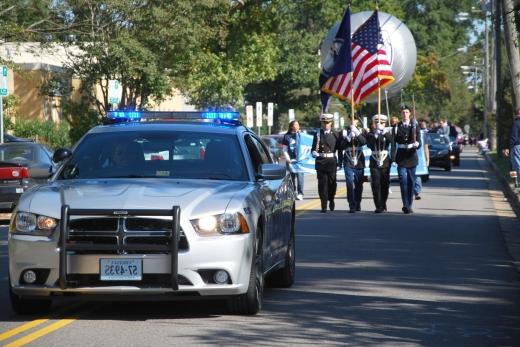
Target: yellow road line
[29, 325]
[22, 328]
[39, 333]
[303, 208]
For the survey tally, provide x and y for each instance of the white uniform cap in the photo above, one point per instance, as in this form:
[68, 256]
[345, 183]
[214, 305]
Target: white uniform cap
[326, 117]
[377, 116]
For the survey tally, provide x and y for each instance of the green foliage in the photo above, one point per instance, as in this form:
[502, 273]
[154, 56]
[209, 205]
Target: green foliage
[80, 118]
[47, 132]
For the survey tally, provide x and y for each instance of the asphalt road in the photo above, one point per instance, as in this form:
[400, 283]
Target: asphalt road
[439, 277]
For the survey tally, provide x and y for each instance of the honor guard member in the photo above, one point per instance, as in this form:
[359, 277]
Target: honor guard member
[353, 160]
[378, 140]
[406, 138]
[324, 145]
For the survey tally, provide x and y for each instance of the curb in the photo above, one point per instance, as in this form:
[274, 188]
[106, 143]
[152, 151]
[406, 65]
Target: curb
[509, 191]
[507, 205]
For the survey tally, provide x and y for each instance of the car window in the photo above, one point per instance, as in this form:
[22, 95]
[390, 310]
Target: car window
[18, 153]
[259, 155]
[436, 139]
[157, 154]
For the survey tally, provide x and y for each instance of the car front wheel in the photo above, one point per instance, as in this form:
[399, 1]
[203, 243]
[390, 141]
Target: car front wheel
[251, 302]
[28, 306]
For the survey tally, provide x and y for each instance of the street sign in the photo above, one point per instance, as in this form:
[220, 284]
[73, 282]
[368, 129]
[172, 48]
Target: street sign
[249, 116]
[336, 120]
[270, 114]
[3, 81]
[258, 114]
[114, 92]
[291, 115]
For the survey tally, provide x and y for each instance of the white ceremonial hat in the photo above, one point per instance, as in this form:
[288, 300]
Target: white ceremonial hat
[326, 117]
[377, 116]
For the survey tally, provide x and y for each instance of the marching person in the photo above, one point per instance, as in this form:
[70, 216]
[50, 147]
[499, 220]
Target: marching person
[353, 160]
[292, 148]
[379, 140]
[324, 145]
[514, 148]
[418, 182]
[406, 138]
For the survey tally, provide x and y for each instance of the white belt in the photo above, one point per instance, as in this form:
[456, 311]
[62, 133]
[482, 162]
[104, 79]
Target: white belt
[379, 152]
[326, 155]
[407, 146]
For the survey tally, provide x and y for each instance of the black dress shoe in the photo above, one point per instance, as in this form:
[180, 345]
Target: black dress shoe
[417, 197]
[378, 210]
[384, 208]
[358, 209]
[332, 205]
[323, 211]
[406, 210]
[352, 210]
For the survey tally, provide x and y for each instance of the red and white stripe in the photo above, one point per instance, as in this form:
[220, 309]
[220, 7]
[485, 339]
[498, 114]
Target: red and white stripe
[369, 72]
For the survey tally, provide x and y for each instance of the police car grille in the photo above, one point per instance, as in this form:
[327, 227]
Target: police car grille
[130, 235]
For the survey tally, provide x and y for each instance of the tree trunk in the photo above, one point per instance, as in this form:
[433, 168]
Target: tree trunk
[511, 42]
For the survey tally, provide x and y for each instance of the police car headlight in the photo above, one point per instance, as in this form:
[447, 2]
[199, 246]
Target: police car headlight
[221, 224]
[30, 223]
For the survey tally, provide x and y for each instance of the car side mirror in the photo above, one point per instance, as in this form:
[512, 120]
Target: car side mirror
[61, 154]
[272, 171]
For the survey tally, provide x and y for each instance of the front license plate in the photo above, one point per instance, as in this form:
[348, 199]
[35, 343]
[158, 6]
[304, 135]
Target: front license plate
[120, 269]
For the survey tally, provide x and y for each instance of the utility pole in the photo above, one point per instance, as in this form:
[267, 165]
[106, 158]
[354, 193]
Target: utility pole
[496, 132]
[511, 42]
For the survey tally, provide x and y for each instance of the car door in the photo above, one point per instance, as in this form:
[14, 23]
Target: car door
[270, 198]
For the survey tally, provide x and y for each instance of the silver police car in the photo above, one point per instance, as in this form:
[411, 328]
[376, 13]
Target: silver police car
[167, 205]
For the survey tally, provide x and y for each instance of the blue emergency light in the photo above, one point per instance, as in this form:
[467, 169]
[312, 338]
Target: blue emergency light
[140, 116]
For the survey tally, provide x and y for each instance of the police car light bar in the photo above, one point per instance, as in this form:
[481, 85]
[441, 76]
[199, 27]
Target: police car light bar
[136, 116]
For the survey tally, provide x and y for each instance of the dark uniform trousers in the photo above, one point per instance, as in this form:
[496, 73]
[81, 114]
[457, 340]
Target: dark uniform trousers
[380, 183]
[326, 167]
[379, 175]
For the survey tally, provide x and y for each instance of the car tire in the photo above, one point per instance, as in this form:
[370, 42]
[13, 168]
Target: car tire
[28, 306]
[284, 277]
[251, 302]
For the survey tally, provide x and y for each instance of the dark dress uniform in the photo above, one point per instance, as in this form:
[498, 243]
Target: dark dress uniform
[379, 169]
[407, 140]
[352, 158]
[326, 144]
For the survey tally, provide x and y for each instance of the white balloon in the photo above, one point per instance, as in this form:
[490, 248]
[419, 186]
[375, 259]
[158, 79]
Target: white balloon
[399, 45]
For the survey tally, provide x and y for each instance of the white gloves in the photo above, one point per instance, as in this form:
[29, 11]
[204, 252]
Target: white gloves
[354, 130]
[416, 144]
[314, 154]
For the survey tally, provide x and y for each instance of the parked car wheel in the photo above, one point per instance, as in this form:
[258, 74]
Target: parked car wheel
[250, 303]
[28, 306]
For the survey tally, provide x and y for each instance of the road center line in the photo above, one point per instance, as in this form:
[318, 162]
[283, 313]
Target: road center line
[39, 333]
[22, 328]
[303, 208]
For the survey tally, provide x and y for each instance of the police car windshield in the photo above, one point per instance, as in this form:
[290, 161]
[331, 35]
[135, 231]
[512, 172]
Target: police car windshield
[153, 154]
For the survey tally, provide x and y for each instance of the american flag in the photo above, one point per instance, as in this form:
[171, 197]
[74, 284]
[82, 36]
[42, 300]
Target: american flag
[371, 68]
[333, 82]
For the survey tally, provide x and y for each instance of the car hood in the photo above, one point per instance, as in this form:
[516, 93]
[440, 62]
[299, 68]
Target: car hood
[193, 196]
